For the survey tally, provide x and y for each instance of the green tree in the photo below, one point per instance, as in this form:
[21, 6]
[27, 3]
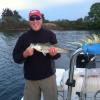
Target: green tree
[16, 14]
[7, 12]
[12, 20]
[94, 14]
[93, 18]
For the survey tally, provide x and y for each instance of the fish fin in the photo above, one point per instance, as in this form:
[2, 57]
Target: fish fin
[44, 53]
[46, 44]
[56, 45]
[32, 45]
[49, 44]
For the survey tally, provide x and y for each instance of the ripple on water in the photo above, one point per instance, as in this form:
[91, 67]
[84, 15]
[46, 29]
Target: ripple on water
[11, 74]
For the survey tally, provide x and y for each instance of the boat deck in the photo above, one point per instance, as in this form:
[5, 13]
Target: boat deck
[91, 84]
[87, 85]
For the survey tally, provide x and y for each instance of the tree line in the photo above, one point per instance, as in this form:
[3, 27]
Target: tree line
[92, 21]
[13, 20]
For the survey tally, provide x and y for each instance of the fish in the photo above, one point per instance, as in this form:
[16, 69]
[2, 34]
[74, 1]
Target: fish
[44, 48]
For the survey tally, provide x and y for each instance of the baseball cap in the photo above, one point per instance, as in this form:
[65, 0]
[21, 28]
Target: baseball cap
[35, 13]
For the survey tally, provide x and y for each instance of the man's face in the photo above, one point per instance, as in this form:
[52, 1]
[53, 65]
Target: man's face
[35, 22]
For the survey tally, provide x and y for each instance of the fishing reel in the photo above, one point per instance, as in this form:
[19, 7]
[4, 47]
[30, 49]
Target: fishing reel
[85, 61]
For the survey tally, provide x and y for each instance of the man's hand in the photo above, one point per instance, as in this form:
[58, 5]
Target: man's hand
[28, 52]
[53, 51]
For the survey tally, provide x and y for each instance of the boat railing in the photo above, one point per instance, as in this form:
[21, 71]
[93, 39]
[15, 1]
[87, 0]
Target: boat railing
[89, 77]
[91, 85]
[71, 82]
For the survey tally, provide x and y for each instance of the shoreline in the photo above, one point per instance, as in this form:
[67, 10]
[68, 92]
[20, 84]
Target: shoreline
[21, 30]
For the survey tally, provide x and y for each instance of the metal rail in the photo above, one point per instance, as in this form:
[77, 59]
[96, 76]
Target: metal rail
[71, 82]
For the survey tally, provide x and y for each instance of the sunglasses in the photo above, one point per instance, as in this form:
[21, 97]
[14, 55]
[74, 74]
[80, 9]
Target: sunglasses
[33, 18]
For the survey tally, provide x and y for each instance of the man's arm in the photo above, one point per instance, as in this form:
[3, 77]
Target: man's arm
[18, 52]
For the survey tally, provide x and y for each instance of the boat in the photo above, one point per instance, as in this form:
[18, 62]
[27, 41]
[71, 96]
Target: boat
[79, 82]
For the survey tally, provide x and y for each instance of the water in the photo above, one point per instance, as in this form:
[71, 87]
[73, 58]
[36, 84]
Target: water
[11, 74]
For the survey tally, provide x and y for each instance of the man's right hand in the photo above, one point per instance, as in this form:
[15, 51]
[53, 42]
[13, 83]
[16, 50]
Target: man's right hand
[28, 52]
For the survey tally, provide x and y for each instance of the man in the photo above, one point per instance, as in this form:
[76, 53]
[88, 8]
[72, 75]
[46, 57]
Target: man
[39, 71]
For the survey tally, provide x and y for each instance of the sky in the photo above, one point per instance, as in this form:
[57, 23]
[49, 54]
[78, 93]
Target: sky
[52, 9]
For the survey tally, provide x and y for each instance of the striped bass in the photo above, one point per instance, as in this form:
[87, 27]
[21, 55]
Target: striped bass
[44, 48]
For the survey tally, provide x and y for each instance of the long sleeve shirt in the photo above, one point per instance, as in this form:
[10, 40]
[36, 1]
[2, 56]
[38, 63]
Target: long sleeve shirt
[37, 66]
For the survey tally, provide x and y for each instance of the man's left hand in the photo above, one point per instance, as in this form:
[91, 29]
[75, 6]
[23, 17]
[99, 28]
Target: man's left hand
[53, 51]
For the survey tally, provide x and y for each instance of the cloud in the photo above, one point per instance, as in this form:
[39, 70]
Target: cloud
[37, 4]
[13, 4]
[60, 2]
[50, 3]
[42, 4]
[28, 4]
